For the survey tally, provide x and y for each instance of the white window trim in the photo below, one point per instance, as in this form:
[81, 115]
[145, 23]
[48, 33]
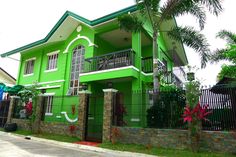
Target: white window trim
[48, 94]
[34, 58]
[27, 75]
[48, 114]
[53, 53]
[51, 70]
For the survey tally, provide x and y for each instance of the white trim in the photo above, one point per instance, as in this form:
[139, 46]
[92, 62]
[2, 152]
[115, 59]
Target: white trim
[77, 38]
[26, 75]
[48, 87]
[110, 90]
[48, 94]
[147, 74]
[84, 92]
[41, 83]
[53, 53]
[48, 114]
[34, 58]
[68, 119]
[58, 116]
[109, 70]
[135, 120]
[51, 70]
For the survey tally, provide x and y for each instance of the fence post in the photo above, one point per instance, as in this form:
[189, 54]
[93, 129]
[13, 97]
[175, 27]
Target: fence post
[11, 108]
[109, 100]
[82, 112]
[38, 114]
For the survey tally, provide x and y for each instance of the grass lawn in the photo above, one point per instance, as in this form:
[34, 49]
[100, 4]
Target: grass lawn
[62, 138]
[161, 151]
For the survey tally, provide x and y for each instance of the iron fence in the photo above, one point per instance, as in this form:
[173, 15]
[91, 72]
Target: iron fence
[142, 110]
[63, 109]
[222, 104]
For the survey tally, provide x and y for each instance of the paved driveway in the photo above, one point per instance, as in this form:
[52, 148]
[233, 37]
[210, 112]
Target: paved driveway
[17, 146]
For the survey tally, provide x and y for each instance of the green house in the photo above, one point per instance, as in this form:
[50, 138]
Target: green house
[98, 54]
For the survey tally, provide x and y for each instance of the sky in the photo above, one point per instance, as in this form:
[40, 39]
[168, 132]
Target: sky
[26, 21]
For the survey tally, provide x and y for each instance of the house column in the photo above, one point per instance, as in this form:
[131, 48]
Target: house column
[82, 113]
[135, 118]
[109, 100]
[38, 114]
[13, 100]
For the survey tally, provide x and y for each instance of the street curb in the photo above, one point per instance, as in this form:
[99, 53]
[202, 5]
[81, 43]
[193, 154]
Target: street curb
[79, 146]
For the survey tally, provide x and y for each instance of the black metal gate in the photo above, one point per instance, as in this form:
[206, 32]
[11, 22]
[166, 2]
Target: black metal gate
[4, 107]
[94, 118]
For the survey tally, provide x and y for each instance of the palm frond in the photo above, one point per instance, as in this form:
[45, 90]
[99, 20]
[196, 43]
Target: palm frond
[229, 36]
[214, 6]
[193, 39]
[218, 55]
[174, 8]
[130, 23]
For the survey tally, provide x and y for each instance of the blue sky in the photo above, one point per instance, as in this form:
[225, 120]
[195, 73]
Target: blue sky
[26, 21]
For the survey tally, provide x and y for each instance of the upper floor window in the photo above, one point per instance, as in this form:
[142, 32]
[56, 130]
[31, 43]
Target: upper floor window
[52, 60]
[29, 66]
[77, 66]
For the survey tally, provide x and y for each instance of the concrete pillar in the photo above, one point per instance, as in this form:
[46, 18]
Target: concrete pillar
[109, 100]
[82, 113]
[38, 114]
[13, 100]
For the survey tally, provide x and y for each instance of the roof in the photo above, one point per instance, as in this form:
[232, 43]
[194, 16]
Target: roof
[91, 23]
[62, 19]
[1, 69]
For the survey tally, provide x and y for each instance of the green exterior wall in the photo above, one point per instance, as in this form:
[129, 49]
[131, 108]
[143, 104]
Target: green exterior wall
[125, 79]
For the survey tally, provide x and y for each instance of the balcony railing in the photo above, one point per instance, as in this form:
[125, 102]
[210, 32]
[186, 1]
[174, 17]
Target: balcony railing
[109, 61]
[171, 78]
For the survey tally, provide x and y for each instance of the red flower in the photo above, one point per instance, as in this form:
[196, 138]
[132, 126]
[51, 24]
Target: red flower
[72, 128]
[199, 112]
[29, 108]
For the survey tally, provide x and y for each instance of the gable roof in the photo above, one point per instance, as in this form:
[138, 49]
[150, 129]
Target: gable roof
[77, 17]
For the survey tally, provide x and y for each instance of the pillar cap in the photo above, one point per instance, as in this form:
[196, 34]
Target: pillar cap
[110, 90]
[85, 92]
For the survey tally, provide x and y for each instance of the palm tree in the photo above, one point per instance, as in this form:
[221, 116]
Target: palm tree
[153, 11]
[228, 54]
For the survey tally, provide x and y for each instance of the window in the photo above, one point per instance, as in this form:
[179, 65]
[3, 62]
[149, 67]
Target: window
[49, 102]
[29, 66]
[77, 66]
[52, 61]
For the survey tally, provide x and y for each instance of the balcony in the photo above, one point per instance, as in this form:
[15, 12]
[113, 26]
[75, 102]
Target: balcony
[117, 59]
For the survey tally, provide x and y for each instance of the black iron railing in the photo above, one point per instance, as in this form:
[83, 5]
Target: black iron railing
[109, 61]
[171, 78]
[147, 64]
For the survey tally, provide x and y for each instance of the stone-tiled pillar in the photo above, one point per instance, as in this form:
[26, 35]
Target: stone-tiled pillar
[38, 114]
[109, 100]
[82, 113]
[13, 100]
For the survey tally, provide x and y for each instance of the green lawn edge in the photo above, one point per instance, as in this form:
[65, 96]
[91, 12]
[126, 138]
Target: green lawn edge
[160, 151]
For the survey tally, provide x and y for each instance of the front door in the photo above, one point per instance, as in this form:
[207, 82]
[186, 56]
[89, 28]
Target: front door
[94, 119]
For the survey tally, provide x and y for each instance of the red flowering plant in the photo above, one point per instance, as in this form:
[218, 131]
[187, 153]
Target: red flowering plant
[197, 113]
[72, 128]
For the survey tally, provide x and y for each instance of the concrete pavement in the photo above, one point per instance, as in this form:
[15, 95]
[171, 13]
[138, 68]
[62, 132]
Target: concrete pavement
[16, 146]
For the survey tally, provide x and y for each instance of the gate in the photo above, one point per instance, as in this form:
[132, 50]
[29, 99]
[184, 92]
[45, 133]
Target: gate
[94, 119]
[4, 106]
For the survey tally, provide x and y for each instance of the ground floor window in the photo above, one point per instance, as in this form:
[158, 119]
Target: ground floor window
[49, 102]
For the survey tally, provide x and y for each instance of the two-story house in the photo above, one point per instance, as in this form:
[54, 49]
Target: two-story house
[96, 53]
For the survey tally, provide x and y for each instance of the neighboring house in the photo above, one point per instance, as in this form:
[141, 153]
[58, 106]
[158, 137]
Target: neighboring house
[97, 53]
[6, 78]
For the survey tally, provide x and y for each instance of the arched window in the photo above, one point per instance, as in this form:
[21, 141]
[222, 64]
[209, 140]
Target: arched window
[77, 66]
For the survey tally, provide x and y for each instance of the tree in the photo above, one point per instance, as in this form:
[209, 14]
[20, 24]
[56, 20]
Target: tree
[228, 54]
[153, 11]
